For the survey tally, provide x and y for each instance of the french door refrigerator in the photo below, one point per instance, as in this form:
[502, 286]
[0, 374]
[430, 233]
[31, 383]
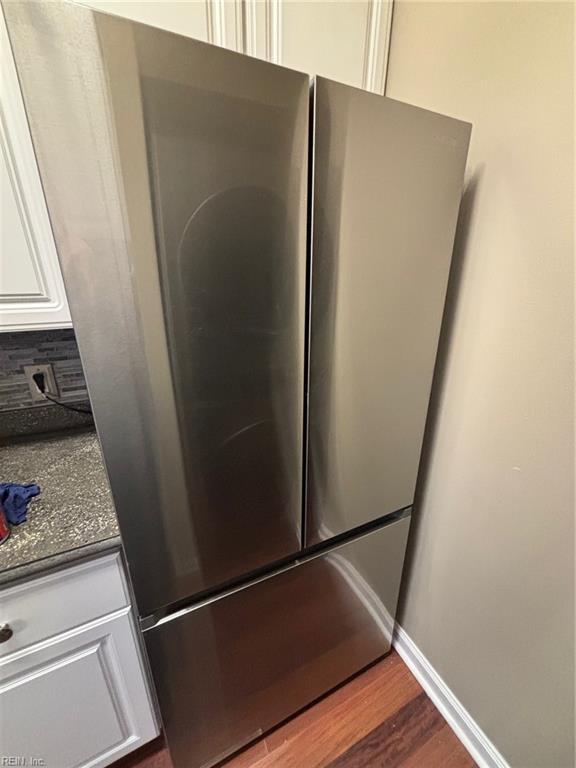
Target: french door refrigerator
[256, 266]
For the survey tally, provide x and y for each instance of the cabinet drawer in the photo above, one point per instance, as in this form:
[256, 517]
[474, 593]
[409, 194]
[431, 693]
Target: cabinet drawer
[52, 604]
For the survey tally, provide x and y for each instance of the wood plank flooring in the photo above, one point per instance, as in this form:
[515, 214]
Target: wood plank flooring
[380, 719]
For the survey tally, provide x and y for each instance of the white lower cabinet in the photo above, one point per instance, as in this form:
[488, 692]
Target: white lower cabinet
[80, 698]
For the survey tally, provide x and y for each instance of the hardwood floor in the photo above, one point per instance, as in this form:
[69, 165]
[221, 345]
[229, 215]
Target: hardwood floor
[380, 719]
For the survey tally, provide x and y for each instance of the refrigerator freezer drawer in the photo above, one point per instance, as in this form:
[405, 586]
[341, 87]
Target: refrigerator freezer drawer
[387, 185]
[232, 668]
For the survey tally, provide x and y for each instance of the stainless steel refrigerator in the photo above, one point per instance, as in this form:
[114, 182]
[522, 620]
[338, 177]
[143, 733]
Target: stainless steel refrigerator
[256, 265]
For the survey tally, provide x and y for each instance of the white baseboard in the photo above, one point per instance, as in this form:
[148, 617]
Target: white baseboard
[466, 729]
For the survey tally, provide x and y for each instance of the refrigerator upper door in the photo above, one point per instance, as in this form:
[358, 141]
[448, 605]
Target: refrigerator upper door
[176, 179]
[387, 185]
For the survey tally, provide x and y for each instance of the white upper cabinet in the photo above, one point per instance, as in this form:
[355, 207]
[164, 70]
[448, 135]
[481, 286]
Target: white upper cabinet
[185, 17]
[31, 289]
[346, 40]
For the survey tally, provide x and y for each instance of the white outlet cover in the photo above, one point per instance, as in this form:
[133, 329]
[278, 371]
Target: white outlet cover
[49, 378]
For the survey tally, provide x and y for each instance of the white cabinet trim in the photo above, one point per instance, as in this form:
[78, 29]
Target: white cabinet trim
[377, 45]
[258, 32]
[215, 22]
[262, 23]
[274, 30]
[250, 13]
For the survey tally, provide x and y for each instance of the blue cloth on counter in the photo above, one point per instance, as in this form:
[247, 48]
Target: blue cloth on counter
[15, 499]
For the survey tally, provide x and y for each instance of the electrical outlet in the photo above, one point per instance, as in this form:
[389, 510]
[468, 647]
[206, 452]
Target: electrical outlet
[49, 378]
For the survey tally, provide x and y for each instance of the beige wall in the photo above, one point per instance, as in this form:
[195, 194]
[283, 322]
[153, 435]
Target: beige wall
[488, 591]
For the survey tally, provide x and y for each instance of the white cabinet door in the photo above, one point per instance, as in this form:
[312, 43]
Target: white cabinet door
[221, 22]
[185, 17]
[78, 700]
[31, 289]
[346, 40]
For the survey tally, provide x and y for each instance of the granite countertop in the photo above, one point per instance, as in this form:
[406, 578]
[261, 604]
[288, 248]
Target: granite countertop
[74, 515]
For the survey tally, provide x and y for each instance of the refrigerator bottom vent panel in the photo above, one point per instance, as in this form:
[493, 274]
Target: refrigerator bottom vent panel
[234, 667]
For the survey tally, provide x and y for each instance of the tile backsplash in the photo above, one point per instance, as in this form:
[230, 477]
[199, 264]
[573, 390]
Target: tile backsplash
[33, 347]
